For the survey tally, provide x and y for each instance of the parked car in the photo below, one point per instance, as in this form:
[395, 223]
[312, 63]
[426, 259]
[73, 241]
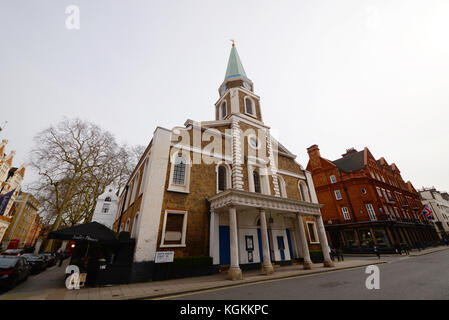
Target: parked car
[13, 270]
[12, 252]
[36, 262]
[49, 257]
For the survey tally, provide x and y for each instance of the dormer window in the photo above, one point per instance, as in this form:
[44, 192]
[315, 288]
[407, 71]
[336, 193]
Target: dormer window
[223, 110]
[249, 106]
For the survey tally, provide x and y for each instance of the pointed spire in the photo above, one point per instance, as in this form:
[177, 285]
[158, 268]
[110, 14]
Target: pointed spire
[235, 67]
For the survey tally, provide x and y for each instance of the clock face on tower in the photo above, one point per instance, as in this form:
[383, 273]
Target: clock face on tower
[247, 85]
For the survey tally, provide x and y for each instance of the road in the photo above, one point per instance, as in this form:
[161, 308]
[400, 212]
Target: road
[41, 283]
[402, 277]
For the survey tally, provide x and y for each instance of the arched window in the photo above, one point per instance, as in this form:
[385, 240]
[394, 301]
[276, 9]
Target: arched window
[136, 219]
[249, 106]
[144, 176]
[107, 199]
[136, 181]
[223, 110]
[282, 187]
[179, 170]
[304, 191]
[222, 177]
[256, 178]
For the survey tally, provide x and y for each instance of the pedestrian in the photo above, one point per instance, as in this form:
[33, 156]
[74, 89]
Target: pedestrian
[399, 249]
[60, 256]
[376, 251]
[446, 242]
[340, 254]
[406, 249]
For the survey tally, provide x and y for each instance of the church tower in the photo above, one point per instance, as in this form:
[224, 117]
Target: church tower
[237, 92]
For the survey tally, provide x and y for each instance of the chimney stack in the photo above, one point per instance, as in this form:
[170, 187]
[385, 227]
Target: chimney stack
[314, 156]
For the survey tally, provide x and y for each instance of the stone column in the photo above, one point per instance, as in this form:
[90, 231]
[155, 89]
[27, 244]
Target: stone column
[235, 273]
[267, 267]
[323, 240]
[304, 245]
[214, 239]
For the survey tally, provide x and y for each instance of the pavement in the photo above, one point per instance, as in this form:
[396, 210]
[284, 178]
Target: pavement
[50, 284]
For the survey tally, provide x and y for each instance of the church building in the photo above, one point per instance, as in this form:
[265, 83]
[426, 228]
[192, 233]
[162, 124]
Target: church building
[223, 188]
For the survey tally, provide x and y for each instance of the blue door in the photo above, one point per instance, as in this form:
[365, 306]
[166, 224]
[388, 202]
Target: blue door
[225, 245]
[281, 247]
[289, 240]
[259, 240]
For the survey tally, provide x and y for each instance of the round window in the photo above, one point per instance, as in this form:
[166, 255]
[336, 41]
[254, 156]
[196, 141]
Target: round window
[253, 141]
[363, 190]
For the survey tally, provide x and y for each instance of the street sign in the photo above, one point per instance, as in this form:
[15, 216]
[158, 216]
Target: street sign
[164, 256]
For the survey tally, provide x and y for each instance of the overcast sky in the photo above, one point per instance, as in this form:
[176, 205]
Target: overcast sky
[338, 74]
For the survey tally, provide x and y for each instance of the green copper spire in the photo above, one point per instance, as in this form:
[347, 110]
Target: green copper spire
[235, 67]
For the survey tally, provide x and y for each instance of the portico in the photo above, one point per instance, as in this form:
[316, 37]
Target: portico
[244, 214]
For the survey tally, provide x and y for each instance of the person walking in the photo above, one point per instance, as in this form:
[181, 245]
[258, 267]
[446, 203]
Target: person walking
[340, 254]
[376, 251]
[60, 257]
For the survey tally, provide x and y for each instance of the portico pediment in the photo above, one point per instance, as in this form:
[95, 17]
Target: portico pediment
[239, 198]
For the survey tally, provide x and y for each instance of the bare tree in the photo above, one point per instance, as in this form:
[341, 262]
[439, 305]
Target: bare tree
[76, 160]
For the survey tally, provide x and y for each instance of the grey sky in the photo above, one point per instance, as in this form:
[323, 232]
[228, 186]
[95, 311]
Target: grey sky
[338, 74]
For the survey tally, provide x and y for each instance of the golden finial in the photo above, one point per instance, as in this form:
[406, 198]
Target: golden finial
[233, 42]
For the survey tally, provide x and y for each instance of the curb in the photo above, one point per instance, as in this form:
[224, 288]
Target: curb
[244, 282]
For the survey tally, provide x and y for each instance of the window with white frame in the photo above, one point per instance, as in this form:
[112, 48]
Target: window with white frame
[345, 212]
[338, 195]
[136, 182]
[313, 235]
[371, 212]
[303, 191]
[144, 176]
[174, 229]
[136, 220]
[180, 173]
[333, 179]
[282, 188]
[105, 208]
[396, 212]
[389, 195]
[223, 177]
[249, 106]
[379, 192]
[223, 110]
[256, 178]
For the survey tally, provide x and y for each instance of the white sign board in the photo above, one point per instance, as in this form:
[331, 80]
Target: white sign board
[164, 256]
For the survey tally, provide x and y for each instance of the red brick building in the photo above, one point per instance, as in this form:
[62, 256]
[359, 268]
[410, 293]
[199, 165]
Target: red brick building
[367, 203]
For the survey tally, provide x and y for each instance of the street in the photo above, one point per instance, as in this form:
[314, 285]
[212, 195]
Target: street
[44, 282]
[402, 277]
